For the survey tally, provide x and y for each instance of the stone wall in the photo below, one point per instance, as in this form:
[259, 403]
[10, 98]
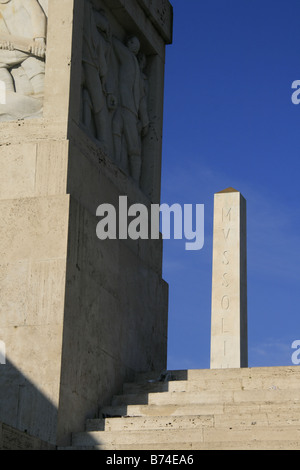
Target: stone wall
[12, 439]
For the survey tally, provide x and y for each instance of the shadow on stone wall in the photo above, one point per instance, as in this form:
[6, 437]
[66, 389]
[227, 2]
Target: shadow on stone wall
[24, 409]
[28, 419]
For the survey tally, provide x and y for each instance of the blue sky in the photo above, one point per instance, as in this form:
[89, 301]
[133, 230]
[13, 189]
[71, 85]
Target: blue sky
[229, 121]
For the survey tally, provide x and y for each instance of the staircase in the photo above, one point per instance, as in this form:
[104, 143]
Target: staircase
[253, 408]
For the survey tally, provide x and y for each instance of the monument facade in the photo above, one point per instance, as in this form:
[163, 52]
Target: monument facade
[81, 124]
[229, 344]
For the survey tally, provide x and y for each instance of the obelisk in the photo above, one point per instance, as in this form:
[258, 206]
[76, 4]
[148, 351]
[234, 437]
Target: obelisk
[229, 348]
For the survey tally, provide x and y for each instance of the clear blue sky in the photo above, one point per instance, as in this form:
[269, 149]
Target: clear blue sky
[229, 121]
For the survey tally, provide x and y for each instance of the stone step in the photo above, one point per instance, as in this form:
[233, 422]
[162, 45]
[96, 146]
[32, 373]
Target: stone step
[161, 376]
[166, 410]
[141, 423]
[118, 438]
[79, 448]
[193, 421]
[201, 410]
[193, 385]
[197, 409]
[211, 396]
[187, 446]
[219, 374]
[177, 437]
[272, 418]
[257, 433]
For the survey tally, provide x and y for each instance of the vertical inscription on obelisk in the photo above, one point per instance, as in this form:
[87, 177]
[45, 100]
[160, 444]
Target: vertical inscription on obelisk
[225, 233]
[228, 304]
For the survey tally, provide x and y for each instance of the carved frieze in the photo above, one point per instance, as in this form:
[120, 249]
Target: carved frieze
[114, 90]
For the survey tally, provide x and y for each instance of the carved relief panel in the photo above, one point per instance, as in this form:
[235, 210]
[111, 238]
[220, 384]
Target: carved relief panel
[114, 90]
[23, 32]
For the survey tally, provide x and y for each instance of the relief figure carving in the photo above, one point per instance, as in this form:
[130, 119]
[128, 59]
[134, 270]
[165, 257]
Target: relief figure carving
[131, 121]
[96, 53]
[23, 29]
[114, 91]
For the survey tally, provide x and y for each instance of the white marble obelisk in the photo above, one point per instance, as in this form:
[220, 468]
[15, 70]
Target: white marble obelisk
[229, 345]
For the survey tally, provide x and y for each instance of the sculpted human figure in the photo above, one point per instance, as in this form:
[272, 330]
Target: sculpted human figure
[23, 28]
[96, 50]
[143, 110]
[131, 120]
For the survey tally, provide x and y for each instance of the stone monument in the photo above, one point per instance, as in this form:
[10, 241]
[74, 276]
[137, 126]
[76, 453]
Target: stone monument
[229, 348]
[81, 124]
